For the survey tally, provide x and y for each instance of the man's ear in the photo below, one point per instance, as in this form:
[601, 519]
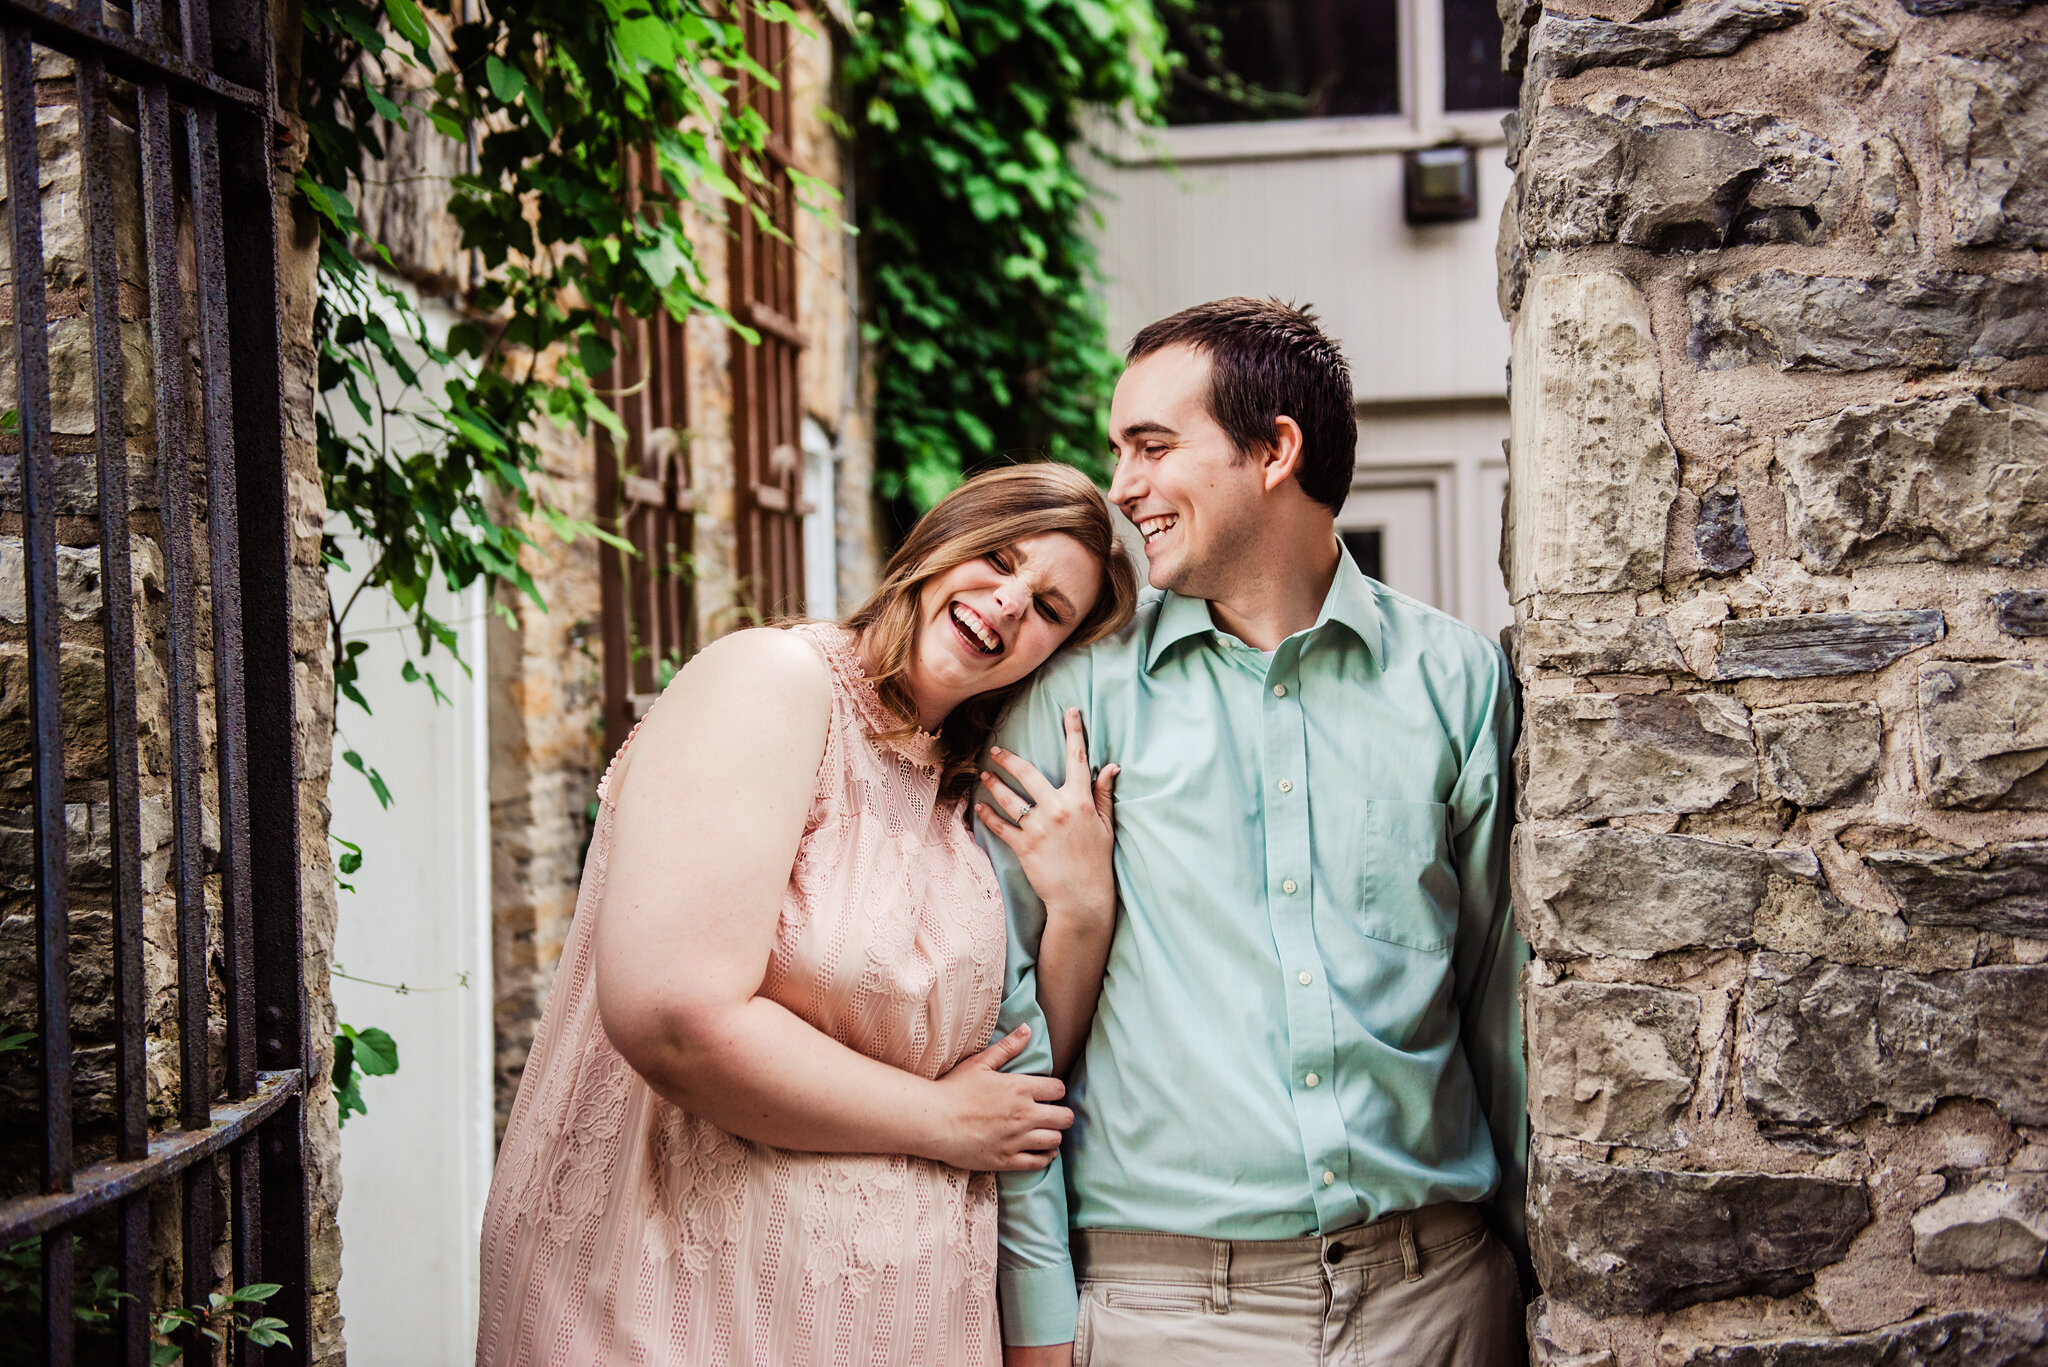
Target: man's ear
[1279, 461]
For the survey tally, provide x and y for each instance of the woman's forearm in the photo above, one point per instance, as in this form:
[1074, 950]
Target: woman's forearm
[1071, 957]
[760, 1072]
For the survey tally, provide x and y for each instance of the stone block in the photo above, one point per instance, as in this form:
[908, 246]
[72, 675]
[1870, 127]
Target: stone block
[2021, 612]
[1595, 755]
[1927, 321]
[1594, 474]
[1612, 1063]
[1825, 1043]
[1624, 1240]
[78, 581]
[1860, 24]
[1720, 537]
[1951, 479]
[1646, 173]
[1811, 645]
[1991, 117]
[1634, 645]
[1984, 734]
[1997, 1226]
[1891, 196]
[1961, 1338]
[1564, 45]
[1633, 894]
[1816, 753]
[2003, 889]
[81, 700]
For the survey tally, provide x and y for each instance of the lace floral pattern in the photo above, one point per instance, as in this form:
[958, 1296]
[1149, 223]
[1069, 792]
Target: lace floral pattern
[622, 1228]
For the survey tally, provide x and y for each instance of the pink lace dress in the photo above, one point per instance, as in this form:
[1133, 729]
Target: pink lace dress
[621, 1229]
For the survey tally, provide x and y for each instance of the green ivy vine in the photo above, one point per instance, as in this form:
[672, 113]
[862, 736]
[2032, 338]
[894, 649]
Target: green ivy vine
[983, 294]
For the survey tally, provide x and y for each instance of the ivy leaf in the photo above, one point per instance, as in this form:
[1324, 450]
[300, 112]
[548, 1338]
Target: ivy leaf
[506, 80]
[595, 353]
[376, 1053]
[383, 105]
[405, 16]
[377, 786]
[352, 854]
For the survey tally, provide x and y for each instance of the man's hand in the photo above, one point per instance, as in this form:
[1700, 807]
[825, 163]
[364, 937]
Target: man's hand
[1050, 1355]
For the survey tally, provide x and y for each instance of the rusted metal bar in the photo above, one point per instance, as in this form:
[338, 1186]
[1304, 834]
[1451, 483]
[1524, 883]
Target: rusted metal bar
[171, 1152]
[135, 58]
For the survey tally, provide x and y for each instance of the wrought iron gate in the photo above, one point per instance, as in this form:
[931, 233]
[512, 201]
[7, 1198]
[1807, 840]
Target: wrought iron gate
[193, 85]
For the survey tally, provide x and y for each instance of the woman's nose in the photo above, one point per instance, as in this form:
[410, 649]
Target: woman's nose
[1011, 597]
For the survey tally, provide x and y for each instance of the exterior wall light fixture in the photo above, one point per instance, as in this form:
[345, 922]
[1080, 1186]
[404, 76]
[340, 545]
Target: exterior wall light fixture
[1440, 184]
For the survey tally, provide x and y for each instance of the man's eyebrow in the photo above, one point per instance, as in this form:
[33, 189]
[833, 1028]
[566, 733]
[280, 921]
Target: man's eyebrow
[1145, 429]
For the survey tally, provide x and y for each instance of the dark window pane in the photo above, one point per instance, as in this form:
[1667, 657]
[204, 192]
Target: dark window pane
[1283, 59]
[1365, 549]
[1472, 74]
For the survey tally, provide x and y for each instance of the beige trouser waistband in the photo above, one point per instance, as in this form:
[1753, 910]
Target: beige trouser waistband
[1405, 1237]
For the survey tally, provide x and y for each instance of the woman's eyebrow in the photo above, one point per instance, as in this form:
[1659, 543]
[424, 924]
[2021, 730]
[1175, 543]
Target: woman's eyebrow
[1054, 596]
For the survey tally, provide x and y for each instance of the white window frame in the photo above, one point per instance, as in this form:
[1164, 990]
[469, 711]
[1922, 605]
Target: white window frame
[1423, 122]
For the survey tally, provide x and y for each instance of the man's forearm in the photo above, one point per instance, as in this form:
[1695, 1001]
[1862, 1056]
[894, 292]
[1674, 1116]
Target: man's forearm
[1046, 1355]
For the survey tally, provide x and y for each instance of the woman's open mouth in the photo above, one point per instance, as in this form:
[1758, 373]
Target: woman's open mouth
[974, 630]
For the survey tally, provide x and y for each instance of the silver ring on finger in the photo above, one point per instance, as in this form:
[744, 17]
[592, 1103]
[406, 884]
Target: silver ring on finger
[1026, 812]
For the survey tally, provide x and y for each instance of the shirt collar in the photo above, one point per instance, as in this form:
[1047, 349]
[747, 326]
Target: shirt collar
[1349, 602]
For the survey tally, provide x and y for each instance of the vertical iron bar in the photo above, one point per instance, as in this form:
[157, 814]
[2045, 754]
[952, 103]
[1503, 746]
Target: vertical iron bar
[60, 1328]
[39, 525]
[132, 1323]
[241, 51]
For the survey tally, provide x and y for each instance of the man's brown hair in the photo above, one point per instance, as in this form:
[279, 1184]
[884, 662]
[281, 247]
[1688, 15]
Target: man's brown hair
[1269, 360]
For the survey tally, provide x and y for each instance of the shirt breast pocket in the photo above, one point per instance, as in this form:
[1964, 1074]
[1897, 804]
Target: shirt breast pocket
[1407, 887]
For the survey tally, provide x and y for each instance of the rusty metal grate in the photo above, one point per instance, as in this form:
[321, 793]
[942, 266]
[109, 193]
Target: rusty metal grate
[768, 460]
[195, 87]
[644, 495]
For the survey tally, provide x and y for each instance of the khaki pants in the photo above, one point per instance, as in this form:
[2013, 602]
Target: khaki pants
[1425, 1288]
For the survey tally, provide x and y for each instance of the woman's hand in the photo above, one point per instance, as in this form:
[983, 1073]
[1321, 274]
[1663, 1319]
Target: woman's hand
[996, 1121]
[1063, 837]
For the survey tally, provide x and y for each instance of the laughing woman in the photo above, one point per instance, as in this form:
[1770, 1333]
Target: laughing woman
[762, 1114]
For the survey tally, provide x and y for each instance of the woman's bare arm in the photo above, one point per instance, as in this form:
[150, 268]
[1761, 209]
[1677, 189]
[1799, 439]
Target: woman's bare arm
[1065, 839]
[709, 814]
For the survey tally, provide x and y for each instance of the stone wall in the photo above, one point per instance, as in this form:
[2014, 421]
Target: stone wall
[1777, 527]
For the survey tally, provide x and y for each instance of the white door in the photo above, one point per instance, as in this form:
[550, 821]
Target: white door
[1391, 530]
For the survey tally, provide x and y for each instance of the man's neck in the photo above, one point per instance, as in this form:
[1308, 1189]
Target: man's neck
[1286, 596]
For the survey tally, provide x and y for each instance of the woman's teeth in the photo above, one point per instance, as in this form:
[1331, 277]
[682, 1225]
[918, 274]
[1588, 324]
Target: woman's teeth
[1153, 526]
[976, 630]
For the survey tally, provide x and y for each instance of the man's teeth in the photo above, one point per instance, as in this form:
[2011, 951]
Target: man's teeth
[1153, 526]
[989, 640]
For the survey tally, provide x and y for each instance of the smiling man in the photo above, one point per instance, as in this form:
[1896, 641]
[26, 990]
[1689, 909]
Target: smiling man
[1302, 1085]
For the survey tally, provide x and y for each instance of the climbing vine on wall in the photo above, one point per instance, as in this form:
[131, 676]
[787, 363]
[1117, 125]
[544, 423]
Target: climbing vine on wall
[984, 304]
[543, 95]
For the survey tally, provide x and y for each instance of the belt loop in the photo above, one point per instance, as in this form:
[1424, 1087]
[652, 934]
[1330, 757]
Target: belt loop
[1219, 1276]
[1411, 1260]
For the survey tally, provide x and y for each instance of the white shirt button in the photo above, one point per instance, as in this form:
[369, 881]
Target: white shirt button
[1312, 1079]
[1305, 977]
[1288, 887]
[1286, 785]
[1279, 690]
[1329, 1178]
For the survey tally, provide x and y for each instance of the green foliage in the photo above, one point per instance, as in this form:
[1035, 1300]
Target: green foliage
[545, 94]
[983, 290]
[368, 1052]
[96, 1297]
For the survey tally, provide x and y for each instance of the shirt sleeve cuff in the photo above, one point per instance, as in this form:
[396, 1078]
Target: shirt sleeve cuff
[1038, 1304]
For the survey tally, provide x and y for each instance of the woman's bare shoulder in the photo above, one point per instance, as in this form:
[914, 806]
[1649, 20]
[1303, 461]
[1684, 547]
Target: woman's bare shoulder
[763, 677]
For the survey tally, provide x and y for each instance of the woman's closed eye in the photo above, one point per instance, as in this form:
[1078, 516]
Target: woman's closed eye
[1049, 612]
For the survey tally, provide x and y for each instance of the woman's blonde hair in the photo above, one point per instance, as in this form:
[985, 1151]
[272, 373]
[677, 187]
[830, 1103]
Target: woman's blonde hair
[989, 512]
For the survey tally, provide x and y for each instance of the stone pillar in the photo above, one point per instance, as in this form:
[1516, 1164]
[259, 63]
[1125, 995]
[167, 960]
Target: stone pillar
[1778, 518]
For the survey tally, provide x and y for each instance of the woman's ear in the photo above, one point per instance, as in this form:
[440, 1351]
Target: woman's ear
[1280, 460]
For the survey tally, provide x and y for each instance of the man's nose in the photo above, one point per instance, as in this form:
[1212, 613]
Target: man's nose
[1123, 483]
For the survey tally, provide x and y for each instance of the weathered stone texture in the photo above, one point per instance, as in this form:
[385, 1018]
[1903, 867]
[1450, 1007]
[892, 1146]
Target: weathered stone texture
[2003, 889]
[1594, 474]
[1926, 321]
[1634, 645]
[1599, 755]
[1720, 536]
[1860, 24]
[1815, 644]
[1984, 733]
[1891, 196]
[1818, 753]
[1647, 173]
[1620, 1240]
[1998, 1226]
[1825, 1042]
[1952, 479]
[1992, 119]
[1615, 1064]
[1967, 1338]
[1633, 894]
[2021, 612]
[1564, 45]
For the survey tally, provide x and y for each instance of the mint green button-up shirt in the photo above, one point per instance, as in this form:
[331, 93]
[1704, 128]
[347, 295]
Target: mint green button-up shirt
[1308, 1016]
